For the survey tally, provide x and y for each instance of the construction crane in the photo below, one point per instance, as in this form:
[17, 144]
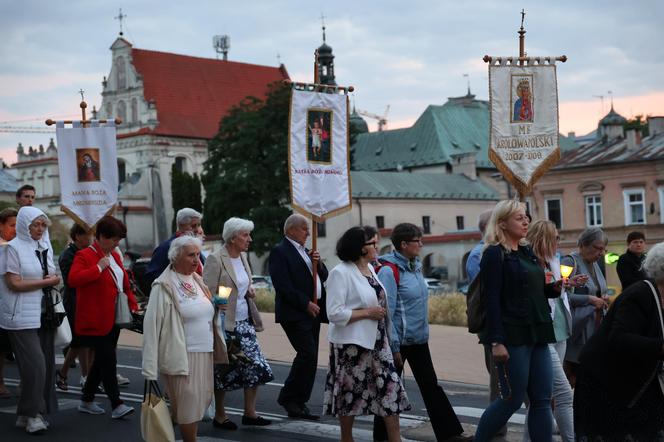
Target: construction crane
[382, 121]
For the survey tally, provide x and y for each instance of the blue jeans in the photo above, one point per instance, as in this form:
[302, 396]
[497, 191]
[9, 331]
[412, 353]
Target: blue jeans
[528, 371]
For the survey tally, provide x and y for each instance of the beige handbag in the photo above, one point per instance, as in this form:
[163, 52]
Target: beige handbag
[156, 425]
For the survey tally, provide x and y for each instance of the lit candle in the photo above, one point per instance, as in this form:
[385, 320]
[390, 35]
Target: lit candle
[565, 271]
[222, 295]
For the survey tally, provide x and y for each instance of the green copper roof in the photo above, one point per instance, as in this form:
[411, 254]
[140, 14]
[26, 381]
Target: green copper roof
[406, 185]
[459, 126]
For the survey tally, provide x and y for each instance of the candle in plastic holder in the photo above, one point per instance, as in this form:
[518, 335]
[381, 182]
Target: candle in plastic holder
[222, 295]
[565, 271]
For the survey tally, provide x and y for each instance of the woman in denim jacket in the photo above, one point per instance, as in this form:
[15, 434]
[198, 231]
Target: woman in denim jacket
[518, 323]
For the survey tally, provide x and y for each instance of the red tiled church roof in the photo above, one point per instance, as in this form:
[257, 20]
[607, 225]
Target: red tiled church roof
[192, 94]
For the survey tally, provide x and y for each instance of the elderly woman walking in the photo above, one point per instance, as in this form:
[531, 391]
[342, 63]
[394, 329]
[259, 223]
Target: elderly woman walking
[229, 267]
[180, 337]
[30, 273]
[362, 378]
[619, 393]
[98, 276]
[588, 302]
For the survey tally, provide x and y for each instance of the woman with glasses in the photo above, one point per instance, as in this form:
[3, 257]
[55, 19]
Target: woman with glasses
[361, 378]
[408, 304]
[590, 301]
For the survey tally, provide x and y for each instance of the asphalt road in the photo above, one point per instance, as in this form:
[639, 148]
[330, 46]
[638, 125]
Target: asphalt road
[72, 426]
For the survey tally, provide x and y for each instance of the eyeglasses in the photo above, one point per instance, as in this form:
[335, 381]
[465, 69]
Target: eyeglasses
[372, 243]
[418, 241]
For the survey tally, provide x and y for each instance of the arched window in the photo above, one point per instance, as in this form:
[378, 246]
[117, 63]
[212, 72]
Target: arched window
[121, 73]
[122, 110]
[122, 170]
[134, 111]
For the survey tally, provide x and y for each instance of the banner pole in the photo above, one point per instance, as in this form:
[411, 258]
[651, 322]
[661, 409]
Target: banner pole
[522, 40]
[314, 262]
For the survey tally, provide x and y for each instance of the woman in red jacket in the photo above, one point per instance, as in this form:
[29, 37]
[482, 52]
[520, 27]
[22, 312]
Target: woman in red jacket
[98, 276]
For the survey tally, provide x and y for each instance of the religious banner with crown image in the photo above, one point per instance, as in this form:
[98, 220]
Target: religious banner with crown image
[523, 94]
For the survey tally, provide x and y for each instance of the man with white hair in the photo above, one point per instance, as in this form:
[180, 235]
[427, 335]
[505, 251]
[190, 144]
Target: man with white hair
[291, 267]
[189, 223]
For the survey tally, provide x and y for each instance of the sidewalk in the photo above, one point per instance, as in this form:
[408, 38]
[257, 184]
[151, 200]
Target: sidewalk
[455, 353]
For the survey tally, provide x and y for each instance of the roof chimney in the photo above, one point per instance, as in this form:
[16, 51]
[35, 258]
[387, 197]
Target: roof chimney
[655, 125]
[633, 137]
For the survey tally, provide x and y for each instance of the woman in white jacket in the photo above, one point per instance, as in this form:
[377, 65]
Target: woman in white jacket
[27, 264]
[180, 337]
[361, 378]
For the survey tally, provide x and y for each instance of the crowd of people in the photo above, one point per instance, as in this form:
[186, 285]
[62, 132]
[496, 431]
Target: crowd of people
[552, 340]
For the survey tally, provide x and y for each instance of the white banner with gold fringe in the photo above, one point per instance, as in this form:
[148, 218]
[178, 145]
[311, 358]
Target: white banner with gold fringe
[524, 122]
[318, 160]
[87, 158]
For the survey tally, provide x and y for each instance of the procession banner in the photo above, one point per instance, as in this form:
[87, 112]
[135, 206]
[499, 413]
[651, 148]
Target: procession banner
[318, 160]
[524, 122]
[87, 158]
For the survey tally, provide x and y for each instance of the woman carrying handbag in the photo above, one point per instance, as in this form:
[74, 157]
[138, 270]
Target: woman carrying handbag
[101, 284]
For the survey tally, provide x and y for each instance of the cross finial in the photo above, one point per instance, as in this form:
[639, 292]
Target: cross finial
[322, 19]
[120, 17]
[611, 96]
[82, 92]
[523, 16]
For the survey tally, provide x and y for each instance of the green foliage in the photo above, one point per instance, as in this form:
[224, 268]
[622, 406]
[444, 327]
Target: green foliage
[7, 204]
[265, 300]
[638, 123]
[246, 173]
[185, 191]
[448, 309]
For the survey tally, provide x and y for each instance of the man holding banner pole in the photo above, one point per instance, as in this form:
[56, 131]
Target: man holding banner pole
[291, 267]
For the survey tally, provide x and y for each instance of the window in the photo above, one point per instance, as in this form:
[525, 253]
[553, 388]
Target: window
[380, 222]
[460, 223]
[426, 224]
[593, 210]
[554, 211]
[109, 110]
[122, 111]
[180, 163]
[122, 171]
[635, 206]
[321, 229]
[121, 73]
[134, 111]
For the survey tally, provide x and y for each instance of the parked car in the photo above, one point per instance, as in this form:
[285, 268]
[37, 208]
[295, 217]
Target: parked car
[435, 286]
[261, 282]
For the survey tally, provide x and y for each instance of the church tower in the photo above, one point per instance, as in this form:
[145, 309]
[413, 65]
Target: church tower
[326, 63]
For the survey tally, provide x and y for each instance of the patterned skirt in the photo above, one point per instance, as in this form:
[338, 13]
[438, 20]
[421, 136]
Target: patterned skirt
[246, 374]
[362, 381]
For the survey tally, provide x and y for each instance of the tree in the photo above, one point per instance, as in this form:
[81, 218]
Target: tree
[246, 173]
[639, 124]
[185, 192]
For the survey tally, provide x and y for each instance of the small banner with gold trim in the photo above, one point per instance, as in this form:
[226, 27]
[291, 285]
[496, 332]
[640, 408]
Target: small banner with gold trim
[523, 141]
[87, 158]
[318, 159]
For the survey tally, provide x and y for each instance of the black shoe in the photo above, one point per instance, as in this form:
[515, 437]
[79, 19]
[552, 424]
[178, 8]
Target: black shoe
[258, 421]
[306, 414]
[225, 425]
[460, 438]
[292, 408]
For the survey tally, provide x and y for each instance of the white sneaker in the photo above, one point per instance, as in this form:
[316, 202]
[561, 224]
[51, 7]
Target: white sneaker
[35, 425]
[21, 421]
[121, 411]
[122, 380]
[90, 408]
[47, 423]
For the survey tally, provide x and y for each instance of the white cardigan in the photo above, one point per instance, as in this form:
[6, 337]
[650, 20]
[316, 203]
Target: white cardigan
[348, 290]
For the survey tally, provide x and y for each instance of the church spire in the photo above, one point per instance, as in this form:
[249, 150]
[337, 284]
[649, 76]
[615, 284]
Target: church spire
[325, 60]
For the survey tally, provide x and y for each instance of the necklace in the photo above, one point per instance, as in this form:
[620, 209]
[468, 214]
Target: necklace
[187, 289]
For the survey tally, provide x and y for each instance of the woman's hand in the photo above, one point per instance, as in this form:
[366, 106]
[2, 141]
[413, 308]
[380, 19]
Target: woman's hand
[103, 263]
[251, 293]
[577, 281]
[499, 353]
[51, 280]
[598, 303]
[222, 307]
[375, 313]
[398, 362]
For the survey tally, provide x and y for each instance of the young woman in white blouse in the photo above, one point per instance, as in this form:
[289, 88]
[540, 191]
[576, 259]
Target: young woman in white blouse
[180, 337]
[229, 267]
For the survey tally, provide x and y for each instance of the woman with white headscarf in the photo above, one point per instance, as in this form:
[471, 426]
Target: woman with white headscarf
[29, 272]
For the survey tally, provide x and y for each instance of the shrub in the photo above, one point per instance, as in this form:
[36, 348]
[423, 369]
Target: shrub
[448, 309]
[265, 300]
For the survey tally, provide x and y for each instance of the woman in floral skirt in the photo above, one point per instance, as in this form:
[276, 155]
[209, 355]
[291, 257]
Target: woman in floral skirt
[362, 378]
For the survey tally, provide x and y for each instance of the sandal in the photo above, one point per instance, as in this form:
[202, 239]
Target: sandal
[61, 381]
